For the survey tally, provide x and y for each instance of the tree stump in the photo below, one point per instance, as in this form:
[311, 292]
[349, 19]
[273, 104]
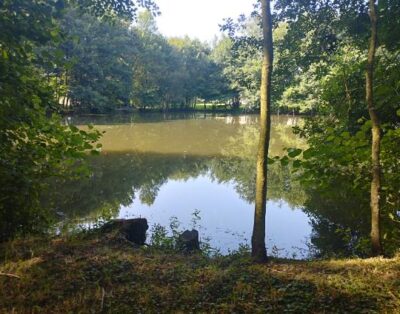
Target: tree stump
[134, 230]
[189, 241]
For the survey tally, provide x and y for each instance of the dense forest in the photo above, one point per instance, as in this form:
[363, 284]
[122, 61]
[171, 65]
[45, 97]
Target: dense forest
[114, 66]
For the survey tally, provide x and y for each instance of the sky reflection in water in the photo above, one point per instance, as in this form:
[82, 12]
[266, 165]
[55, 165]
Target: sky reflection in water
[160, 166]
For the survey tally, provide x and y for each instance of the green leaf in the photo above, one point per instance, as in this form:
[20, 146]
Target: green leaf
[59, 54]
[346, 135]
[5, 54]
[309, 153]
[73, 128]
[330, 138]
[87, 146]
[294, 152]
[54, 33]
[383, 90]
[297, 164]
[284, 161]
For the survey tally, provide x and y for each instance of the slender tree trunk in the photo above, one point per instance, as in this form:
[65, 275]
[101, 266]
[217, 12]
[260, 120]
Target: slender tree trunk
[348, 94]
[376, 136]
[259, 252]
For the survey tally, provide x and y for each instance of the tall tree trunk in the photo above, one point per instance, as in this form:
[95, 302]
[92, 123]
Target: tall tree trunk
[259, 252]
[376, 136]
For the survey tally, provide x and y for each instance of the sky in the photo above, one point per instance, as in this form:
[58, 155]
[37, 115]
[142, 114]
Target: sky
[198, 18]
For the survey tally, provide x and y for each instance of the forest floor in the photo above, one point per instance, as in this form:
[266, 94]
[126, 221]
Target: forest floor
[99, 274]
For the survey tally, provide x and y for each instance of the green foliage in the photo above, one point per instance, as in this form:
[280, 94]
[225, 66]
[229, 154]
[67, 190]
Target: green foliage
[103, 67]
[108, 10]
[168, 241]
[328, 65]
[161, 240]
[34, 144]
[240, 54]
[97, 71]
[335, 172]
[174, 72]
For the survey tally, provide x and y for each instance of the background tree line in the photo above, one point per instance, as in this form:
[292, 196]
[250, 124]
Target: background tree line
[107, 66]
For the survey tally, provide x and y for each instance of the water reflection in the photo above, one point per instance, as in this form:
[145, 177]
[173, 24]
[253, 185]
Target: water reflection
[158, 186]
[340, 218]
[163, 166]
[198, 135]
[159, 166]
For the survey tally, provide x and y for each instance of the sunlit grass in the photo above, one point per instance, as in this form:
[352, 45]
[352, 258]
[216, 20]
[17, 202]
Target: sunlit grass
[93, 274]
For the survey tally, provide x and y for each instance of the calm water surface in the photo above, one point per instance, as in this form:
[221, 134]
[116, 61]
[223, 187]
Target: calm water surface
[162, 166]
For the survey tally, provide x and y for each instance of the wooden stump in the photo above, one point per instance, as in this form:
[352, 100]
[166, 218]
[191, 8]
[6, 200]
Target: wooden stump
[189, 241]
[134, 230]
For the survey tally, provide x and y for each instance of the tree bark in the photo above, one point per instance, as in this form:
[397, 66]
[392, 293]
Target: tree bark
[376, 136]
[259, 252]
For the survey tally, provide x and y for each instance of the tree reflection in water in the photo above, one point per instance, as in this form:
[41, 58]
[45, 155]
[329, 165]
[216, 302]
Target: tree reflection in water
[140, 158]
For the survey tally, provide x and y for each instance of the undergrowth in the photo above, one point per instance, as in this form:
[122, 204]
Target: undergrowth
[95, 273]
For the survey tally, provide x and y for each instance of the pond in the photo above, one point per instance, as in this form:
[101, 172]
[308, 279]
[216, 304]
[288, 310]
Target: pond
[198, 169]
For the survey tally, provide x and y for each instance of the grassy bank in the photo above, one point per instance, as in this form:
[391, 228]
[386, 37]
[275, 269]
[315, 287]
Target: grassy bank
[98, 274]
